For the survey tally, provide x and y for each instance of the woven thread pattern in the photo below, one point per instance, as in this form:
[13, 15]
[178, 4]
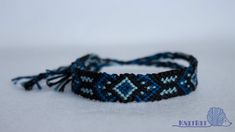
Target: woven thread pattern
[88, 82]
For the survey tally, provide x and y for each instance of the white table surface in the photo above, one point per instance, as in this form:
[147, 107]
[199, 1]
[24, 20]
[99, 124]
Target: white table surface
[39, 35]
[48, 110]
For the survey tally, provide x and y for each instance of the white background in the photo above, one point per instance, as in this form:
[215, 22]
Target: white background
[45, 34]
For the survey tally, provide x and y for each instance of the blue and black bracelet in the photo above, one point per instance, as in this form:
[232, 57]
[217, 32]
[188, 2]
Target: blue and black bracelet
[89, 82]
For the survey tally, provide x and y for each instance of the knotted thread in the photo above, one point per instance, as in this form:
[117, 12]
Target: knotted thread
[58, 78]
[61, 76]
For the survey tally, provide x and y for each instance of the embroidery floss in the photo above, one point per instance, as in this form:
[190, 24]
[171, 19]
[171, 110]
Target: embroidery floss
[87, 81]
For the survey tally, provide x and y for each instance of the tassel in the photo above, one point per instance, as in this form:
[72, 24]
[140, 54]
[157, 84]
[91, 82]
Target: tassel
[61, 76]
[58, 78]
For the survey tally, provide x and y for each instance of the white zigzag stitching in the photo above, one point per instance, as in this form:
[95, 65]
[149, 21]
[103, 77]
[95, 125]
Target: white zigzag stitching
[87, 91]
[168, 91]
[168, 79]
[86, 79]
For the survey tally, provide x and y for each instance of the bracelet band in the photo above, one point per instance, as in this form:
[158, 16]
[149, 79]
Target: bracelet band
[87, 80]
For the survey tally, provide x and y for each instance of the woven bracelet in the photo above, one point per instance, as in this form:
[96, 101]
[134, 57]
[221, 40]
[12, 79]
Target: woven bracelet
[87, 80]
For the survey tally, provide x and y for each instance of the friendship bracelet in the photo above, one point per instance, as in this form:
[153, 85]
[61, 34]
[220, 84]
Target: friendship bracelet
[87, 80]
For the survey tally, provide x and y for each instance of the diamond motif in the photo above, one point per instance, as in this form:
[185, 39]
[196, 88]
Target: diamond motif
[150, 88]
[125, 88]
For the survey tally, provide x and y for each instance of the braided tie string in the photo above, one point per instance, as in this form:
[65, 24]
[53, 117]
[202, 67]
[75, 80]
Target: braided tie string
[58, 78]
